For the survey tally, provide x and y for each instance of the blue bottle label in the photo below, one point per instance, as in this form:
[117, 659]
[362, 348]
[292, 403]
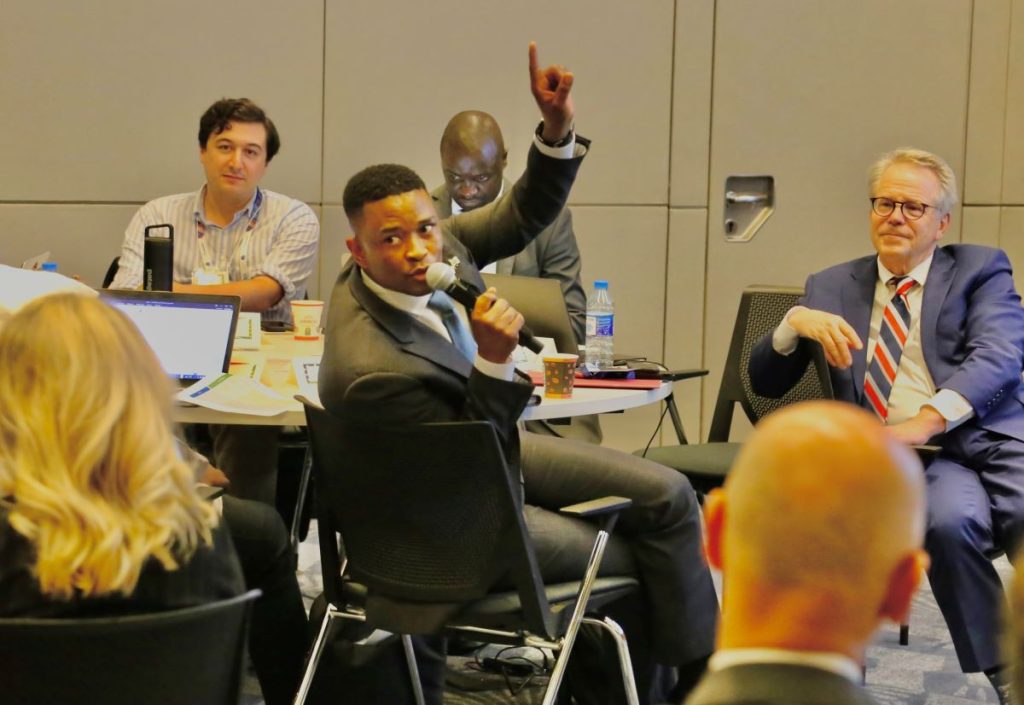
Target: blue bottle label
[600, 324]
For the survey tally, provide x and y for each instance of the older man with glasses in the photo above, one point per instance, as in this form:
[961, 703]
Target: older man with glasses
[931, 339]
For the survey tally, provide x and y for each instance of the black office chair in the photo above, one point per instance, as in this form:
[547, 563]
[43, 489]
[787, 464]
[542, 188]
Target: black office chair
[761, 310]
[430, 518]
[191, 655]
[108, 278]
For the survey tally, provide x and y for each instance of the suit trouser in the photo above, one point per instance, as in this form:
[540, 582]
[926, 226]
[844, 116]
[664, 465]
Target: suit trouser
[277, 635]
[975, 507]
[658, 539]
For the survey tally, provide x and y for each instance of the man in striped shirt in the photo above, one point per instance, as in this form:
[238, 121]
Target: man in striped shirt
[231, 236]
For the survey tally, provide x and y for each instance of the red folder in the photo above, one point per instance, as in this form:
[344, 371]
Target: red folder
[538, 380]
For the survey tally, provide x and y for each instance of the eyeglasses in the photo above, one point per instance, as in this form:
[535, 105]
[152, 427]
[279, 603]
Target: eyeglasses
[911, 210]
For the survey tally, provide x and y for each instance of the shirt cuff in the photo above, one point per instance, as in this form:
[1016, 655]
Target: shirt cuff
[952, 406]
[785, 338]
[499, 370]
[567, 151]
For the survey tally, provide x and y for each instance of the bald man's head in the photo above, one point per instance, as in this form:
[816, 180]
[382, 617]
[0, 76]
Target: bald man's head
[820, 492]
[473, 157]
[822, 506]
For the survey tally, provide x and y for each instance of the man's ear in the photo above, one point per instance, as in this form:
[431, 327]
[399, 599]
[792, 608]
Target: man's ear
[903, 583]
[356, 249]
[714, 527]
[504, 160]
[944, 224]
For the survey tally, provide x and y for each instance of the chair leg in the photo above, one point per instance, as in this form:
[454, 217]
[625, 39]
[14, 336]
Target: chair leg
[414, 670]
[625, 663]
[558, 672]
[315, 653]
[905, 633]
[300, 500]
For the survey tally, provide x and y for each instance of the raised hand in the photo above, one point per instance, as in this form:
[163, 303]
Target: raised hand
[551, 89]
[833, 332]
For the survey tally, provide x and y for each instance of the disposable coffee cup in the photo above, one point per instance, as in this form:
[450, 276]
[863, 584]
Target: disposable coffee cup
[559, 373]
[306, 319]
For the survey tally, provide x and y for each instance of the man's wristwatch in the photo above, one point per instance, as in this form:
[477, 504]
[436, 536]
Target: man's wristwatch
[560, 143]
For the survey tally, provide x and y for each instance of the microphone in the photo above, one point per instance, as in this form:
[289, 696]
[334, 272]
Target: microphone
[441, 277]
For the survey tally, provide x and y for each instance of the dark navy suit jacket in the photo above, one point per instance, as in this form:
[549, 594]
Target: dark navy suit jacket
[972, 333]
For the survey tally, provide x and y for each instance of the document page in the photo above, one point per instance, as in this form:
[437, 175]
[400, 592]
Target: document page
[235, 394]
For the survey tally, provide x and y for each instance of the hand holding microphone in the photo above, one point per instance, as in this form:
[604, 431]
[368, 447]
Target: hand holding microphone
[496, 313]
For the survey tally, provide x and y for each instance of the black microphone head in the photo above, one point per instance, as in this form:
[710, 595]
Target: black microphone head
[440, 276]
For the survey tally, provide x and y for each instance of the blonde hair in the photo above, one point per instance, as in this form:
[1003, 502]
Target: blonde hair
[86, 449]
[918, 157]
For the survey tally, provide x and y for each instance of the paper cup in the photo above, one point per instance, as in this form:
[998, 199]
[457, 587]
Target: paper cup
[306, 318]
[559, 373]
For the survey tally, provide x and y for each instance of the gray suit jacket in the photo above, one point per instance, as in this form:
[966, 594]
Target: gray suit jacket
[380, 364]
[777, 684]
[552, 255]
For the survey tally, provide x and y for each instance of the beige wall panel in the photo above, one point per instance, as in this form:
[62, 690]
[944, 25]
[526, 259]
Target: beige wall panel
[980, 225]
[82, 239]
[394, 78]
[691, 102]
[684, 314]
[986, 111]
[101, 101]
[1011, 240]
[626, 246]
[333, 232]
[814, 114]
[1013, 159]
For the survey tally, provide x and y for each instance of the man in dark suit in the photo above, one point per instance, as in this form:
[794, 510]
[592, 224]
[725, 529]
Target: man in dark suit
[818, 536]
[473, 160]
[394, 353]
[930, 338]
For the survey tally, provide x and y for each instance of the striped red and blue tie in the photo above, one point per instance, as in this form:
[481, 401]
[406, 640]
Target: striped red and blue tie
[892, 336]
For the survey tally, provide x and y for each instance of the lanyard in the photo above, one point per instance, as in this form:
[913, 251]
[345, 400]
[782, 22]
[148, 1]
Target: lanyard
[254, 218]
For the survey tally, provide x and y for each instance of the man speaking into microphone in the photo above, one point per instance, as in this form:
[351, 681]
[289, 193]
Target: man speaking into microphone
[397, 352]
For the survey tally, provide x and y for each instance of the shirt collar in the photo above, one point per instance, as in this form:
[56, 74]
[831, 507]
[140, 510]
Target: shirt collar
[919, 273]
[200, 212]
[825, 660]
[456, 208]
[403, 302]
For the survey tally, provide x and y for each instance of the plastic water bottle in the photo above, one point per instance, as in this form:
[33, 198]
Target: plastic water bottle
[600, 326]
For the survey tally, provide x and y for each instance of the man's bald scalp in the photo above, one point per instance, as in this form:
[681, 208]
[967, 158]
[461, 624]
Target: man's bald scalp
[470, 132]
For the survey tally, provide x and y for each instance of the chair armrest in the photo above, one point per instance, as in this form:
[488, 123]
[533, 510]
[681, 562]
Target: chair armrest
[597, 507]
[927, 452]
[676, 375]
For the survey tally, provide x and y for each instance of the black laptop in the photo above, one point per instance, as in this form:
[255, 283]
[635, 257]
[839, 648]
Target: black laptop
[191, 334]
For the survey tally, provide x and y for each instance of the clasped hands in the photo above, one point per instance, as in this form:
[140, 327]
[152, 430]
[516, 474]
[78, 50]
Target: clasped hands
[839, 339]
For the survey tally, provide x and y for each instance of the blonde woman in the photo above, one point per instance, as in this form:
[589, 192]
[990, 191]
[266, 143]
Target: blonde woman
[99, 512]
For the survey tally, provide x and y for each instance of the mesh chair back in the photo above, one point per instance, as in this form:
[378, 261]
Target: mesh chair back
[542, 305]
[761, 310]
[426, 512]
[191, 655]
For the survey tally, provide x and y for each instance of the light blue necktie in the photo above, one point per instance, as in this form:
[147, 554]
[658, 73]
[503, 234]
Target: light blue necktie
[453, 323]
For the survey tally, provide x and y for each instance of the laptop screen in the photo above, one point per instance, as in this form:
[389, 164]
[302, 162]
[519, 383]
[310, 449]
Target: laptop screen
[191, 334]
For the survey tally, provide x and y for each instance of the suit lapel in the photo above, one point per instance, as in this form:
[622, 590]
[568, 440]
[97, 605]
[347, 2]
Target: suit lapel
[412, 336]
[936, 287]
[858, 300]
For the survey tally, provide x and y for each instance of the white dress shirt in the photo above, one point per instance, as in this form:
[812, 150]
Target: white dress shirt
[913, 386]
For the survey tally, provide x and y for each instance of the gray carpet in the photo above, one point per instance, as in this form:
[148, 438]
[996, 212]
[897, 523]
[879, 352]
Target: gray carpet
[924, 673]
